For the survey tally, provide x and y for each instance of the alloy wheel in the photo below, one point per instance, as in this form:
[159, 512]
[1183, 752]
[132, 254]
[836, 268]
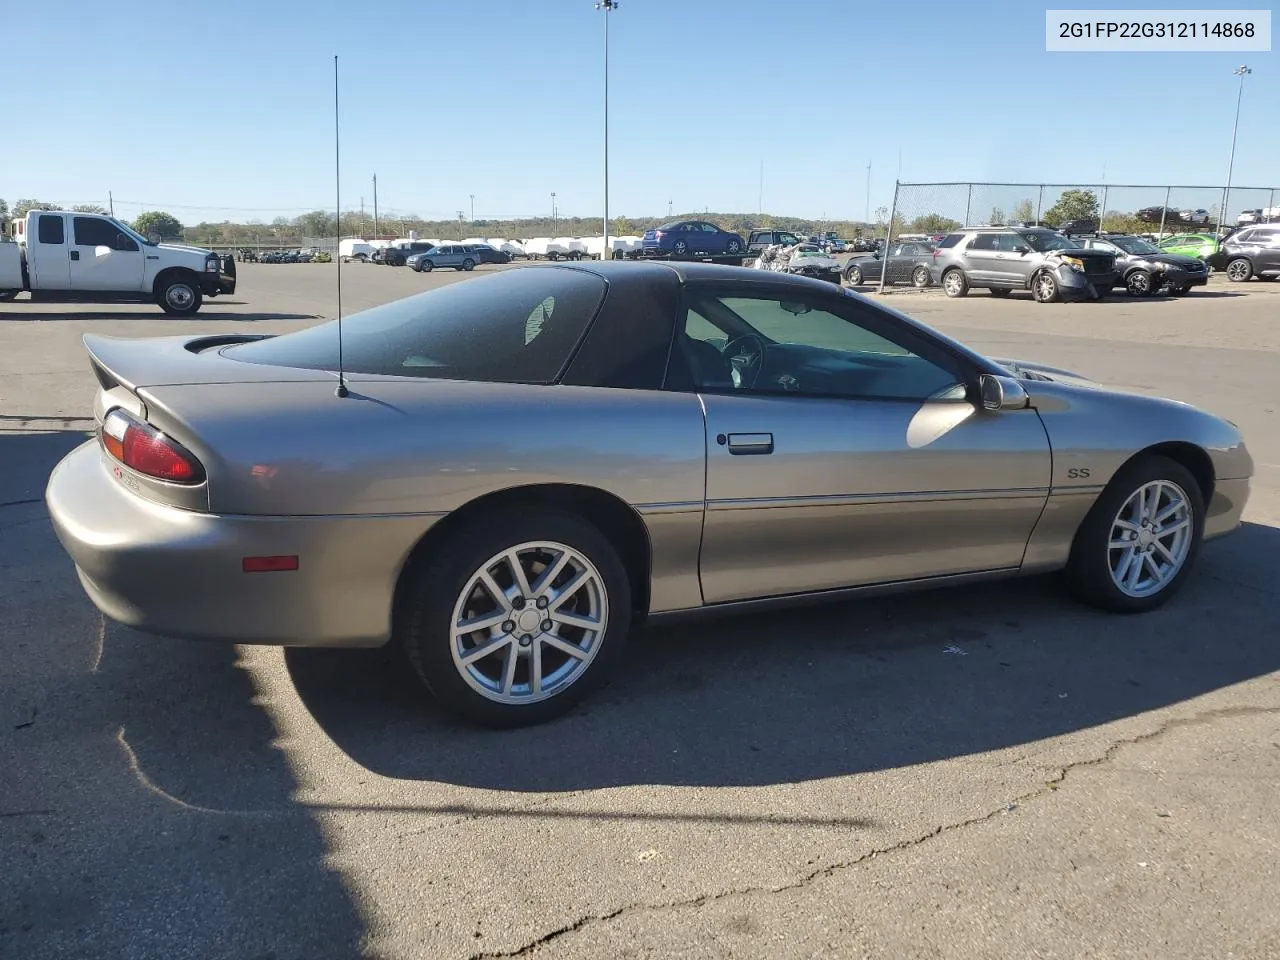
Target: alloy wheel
[1150, 539]
[529, 622]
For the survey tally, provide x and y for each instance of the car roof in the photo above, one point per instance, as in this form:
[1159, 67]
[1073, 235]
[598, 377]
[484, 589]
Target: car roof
[690, 271]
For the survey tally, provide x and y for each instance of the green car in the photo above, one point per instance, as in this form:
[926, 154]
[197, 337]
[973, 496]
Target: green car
[1202, 245]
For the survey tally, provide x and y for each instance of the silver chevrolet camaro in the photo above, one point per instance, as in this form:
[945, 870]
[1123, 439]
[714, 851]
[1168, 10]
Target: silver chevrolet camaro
[514, 470]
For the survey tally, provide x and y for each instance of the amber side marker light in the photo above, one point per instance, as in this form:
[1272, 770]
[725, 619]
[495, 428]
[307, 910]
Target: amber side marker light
[268, 564]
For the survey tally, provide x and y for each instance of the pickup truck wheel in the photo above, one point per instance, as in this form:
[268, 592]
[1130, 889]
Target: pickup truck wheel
[180, 298]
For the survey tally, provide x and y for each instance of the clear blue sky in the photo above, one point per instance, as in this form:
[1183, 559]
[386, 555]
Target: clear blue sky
[223, 109]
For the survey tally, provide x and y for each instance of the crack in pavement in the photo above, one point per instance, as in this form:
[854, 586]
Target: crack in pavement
[1049, 786]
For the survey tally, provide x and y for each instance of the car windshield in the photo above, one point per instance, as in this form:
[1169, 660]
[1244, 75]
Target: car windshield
[1044, 242]
[1134, 245]
[516, 327]
[132, 232]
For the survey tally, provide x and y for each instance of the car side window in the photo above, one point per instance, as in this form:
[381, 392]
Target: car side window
[809, 348]
[50, 229]
[984, 241]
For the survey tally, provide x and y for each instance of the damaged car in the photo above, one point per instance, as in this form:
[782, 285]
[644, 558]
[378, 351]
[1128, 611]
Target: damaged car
[802, 259]
[1003, 259]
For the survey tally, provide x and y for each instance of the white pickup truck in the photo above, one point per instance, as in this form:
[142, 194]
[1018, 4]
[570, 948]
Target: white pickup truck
[65, 257]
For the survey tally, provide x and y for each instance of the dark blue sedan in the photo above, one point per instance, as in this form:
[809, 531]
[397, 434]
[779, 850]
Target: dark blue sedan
[691, 238]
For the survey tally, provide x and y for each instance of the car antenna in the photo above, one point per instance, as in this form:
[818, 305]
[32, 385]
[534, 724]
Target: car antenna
[337, 196]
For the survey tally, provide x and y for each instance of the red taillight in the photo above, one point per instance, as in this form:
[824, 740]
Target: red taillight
[141, 447]
[657, 234]
[269, 564]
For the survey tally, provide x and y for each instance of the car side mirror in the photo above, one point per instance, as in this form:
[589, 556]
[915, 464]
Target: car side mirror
[1021, 251]
[1001, 393]
[875, 254]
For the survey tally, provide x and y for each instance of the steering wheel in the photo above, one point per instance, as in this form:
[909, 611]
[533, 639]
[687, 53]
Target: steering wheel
[746, 355]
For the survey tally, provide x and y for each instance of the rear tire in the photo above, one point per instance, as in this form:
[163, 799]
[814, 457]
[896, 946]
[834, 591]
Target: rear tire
[955, 283]
[1095, 569]
[680, 249]
[1239, 270]
[445, 589]
[1140, 283]
[468, 264]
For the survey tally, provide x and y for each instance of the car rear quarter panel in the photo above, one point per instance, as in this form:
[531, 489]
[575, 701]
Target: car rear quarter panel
[428, 447]
[1094, 432]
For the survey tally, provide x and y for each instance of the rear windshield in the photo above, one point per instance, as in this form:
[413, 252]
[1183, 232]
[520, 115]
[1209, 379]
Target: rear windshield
[520, 326]
[950, 240]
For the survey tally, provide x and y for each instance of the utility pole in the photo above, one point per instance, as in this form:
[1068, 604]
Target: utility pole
[760, 199]
[473, 208]
[362, 218]
[461, 214]
[555, 221]
[375, 206]
[111, 203]
[670, 204]
[1241, 72]
[608, 6]
[867, 216]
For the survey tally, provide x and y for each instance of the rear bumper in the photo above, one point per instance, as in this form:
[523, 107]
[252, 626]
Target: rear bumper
[178, 573]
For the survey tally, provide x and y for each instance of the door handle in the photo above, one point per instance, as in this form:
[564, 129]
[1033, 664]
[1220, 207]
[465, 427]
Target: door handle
[746, 444]
[75, 254]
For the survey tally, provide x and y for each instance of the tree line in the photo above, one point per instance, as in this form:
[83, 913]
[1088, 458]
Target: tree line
[285, 231]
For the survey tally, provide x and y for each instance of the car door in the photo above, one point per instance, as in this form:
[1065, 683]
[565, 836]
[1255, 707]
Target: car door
[1268, 248]
[849, 454]
[980, 262]
[711, 239]
[1011, 265]
[104, 257]
[48, 257]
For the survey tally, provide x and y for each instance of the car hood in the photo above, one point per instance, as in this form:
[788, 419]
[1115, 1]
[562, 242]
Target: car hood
[1030, 370]
[183, 248]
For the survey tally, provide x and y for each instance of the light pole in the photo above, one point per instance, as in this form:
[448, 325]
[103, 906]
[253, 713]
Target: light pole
[1241, 71]
[608, 6]
[867, 216]
[473, 208]
[555, 221]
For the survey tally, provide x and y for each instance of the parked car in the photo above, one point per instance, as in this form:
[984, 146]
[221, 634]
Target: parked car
[793, 432]
[1253, 252]
[1143, 269]
[1203, 245]
[804, 259]
[691, 238]
[757, 240]
[1199, 215]
[397, 254]
[486, 253]
[867, 244]
[457, 255]
[1002, 259]
[908, 263]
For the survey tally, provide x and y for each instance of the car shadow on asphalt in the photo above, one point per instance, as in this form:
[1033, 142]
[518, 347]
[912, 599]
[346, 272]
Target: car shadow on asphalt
[156, 314]
[830, 691]
[145, 807]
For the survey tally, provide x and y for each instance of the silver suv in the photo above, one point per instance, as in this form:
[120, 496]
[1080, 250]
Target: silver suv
[1004, 259]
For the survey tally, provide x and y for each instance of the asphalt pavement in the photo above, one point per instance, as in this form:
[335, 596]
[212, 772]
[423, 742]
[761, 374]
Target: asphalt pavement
[989, 771]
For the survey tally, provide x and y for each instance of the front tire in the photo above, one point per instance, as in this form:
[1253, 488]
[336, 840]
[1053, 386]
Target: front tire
[1044, 287]
[955, 284]
[853, 276]
[517, 618]
[426, 266]
[920, 277]
[1139, 542]
[180, 297]
[733, 247]
[1239, 270]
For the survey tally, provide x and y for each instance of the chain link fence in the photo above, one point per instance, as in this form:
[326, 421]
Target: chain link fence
[922, 210]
